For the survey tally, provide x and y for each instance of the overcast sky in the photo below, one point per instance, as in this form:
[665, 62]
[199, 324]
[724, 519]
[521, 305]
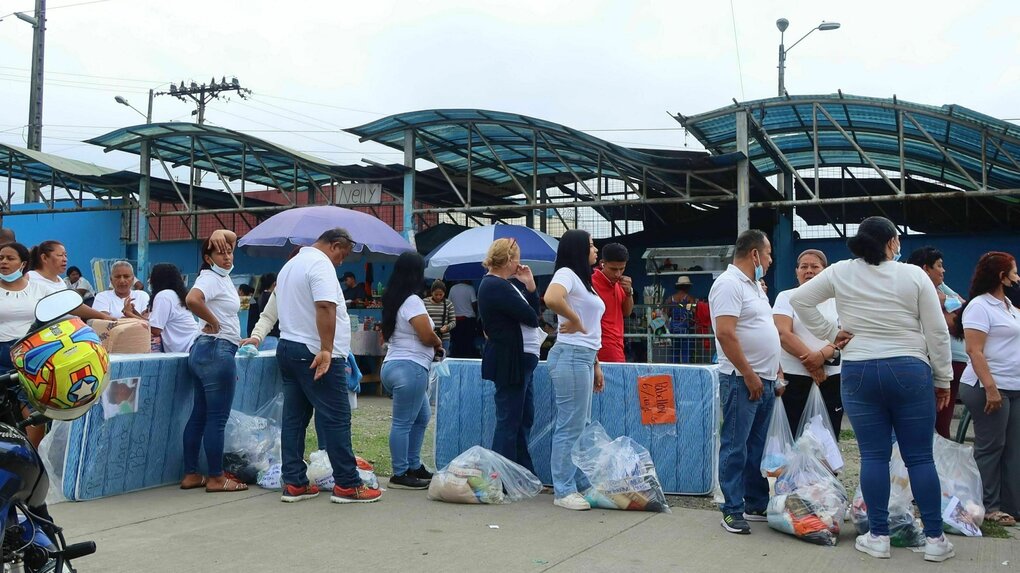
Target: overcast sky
[591, 65]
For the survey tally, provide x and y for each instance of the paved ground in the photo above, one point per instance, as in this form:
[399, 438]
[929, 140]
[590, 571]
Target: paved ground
[167, 529]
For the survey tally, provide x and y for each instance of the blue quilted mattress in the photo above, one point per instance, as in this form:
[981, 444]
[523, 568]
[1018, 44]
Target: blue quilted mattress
[684, 453]
[121, 453]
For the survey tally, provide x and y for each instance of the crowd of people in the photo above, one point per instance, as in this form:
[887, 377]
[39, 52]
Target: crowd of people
[889, 344]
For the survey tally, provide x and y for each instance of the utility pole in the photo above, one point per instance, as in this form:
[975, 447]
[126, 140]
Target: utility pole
[35, 101]
[202, 95]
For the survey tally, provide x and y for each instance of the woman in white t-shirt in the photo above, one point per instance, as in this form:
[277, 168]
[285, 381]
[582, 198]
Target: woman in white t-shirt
[48, 261]
[169, 320]
[990, 385]
[412, 347]
[806, 360]
[214, 301]
[18, 297]
[573, 363]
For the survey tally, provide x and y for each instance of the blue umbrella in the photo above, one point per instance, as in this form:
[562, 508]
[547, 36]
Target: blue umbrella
[278, 235]
[460, 258]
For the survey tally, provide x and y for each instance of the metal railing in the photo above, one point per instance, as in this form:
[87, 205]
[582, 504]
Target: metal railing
[647, 339]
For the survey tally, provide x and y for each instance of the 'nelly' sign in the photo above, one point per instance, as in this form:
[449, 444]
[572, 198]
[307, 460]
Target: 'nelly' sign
[359, 194]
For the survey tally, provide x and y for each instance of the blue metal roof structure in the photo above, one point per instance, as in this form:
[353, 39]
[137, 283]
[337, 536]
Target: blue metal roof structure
[950, 144]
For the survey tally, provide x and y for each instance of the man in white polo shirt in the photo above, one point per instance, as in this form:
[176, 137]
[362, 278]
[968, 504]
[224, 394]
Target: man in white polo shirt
[748, 346]
[114, 302]
[315, 338]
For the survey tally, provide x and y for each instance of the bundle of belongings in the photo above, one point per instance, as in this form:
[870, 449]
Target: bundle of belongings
[621, 472]
[251, 443]
[123, 336]
[904, 529]
[963, 509]
[482, 476]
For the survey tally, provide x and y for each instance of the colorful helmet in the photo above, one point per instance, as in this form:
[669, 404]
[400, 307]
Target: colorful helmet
[63, 368]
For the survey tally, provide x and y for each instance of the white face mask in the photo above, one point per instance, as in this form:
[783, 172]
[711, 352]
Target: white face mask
[220, 270]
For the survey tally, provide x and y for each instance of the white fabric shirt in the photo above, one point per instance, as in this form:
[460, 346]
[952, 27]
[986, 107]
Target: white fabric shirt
[108, 302]
[404, 344]
[735, 294]
[17, 310]
[791, 364]
[533, 337]
[52, 286]
[1001, 322]
[177, 325]
[462, 295]
[587, 305]
[222, 300]
[83, 284]
[891, 309]
[308, 278]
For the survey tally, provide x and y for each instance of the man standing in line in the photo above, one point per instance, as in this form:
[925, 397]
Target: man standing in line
[465, 306]
[617, 291]
[315, 339]
[748, 346]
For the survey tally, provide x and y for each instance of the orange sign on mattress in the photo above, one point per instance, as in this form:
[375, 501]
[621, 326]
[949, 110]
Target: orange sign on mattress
[657, 403]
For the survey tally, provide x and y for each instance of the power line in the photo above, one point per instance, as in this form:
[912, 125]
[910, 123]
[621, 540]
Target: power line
[58, 7]
[740, 67]
[146, 82]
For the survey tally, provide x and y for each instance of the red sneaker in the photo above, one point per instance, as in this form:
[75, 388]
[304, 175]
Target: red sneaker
[363, 464]
[360, 494]
[296, 493]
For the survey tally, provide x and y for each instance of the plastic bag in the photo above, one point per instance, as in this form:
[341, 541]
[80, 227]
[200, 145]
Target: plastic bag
[815, 422]
[482, 476]
[963, 509]
[53, 453]
[621, 472]
[904, 529]
[247, 351]
[810, 502]
[320, 471]
[251, 444]
[778, 442]
[353, 374]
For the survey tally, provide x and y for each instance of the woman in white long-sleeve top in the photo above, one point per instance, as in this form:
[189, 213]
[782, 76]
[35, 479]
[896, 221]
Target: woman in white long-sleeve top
[896, 371]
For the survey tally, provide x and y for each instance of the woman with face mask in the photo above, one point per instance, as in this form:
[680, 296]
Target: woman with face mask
[896, 369]
[18, 297]
[214, 300]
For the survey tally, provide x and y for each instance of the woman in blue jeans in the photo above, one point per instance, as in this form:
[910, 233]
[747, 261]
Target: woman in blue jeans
[413, 345]
[896, 372]
[573, 363]
[213, 299]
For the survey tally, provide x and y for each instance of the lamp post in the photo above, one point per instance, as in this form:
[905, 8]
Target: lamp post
[783, 24]
[143, 193]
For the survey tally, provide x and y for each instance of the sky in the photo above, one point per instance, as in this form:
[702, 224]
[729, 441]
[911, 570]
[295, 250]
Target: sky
[616, 69]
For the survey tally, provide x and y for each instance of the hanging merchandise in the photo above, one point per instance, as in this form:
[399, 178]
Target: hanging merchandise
[810, 502]
[778, 442]
[963, 509]
[621, 472]
[482, 476]
[815, 423]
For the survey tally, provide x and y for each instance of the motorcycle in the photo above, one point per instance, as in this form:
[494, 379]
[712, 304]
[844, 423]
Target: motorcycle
[31, 542]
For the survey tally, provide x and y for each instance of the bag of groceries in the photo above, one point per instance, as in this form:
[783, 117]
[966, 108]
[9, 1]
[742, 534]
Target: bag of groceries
[809, 501]
[621, 472]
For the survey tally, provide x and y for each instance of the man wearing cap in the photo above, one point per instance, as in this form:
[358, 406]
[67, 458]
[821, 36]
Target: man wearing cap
[680, 313]
[353, 290]
[617, 291]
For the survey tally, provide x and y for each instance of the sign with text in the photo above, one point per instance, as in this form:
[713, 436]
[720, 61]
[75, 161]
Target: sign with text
[359, 194]
[658, 405]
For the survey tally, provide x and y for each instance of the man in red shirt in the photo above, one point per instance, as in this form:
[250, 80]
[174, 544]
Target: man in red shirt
[617, 291]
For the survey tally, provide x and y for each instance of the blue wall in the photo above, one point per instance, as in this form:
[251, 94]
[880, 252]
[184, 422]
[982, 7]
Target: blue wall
[85, 235]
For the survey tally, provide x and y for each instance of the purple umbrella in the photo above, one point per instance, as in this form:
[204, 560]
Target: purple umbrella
[300, 227]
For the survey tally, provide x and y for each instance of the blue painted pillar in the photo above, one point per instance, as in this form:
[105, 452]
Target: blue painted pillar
[784, 247]
[409, 185]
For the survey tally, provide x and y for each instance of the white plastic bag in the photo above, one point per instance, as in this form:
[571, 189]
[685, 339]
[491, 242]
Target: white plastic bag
[53, 452]
[810, 502]
[251, 443]
[778, 442]
[621, 472]
[320, 472]
[904, 528]
[816, 424]
[963, 509]
[482, 476]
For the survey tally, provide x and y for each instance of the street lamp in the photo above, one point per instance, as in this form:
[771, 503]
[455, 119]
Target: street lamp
[783, 24]
[143, 192]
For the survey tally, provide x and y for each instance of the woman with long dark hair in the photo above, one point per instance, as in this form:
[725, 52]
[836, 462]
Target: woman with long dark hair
[48, 260]
[895, 373]
[508, 306]
[169, 318]
[413, 345]
[990, 385]
[573, 363]
[214, 300]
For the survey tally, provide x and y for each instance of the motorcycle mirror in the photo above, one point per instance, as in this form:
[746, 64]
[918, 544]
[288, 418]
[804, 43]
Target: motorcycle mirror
[56, 305]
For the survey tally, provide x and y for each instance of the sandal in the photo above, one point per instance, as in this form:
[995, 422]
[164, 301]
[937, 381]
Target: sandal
[200, 483]
[229, 485]
[1001, 518]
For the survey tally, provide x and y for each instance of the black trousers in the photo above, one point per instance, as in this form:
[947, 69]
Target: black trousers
[796, 395]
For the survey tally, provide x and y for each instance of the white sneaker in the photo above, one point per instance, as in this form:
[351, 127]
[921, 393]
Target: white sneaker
[876, 546]
[938, 549]
[574, 501]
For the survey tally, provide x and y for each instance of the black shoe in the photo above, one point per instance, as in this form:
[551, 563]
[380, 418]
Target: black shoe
[756, 516]
[421, 473]
[408, 481]
[735, 523]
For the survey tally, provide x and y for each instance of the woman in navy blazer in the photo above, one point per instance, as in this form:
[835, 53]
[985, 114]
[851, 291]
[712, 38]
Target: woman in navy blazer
[508, 307]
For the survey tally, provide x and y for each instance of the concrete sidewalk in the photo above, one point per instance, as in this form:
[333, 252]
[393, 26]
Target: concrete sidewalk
[167, 529]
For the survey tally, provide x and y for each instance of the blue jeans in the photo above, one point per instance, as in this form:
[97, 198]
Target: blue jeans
[327, 396]
[407, 381]
[741, 444]
[214, 372]
[515, 414]
[572, 370]
[886, 395]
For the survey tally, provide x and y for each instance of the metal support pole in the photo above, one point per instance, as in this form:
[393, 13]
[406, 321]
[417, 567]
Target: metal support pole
[35, 96]
[743, 175]
[143, 202]
[409, 174]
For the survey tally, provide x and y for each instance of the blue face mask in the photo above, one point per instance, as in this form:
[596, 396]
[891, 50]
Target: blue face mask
[11, 277]
[759, 272]
[896, 256]
[219, 270]
[952, 304]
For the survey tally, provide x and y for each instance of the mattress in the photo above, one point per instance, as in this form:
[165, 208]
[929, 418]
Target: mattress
[684, 453]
